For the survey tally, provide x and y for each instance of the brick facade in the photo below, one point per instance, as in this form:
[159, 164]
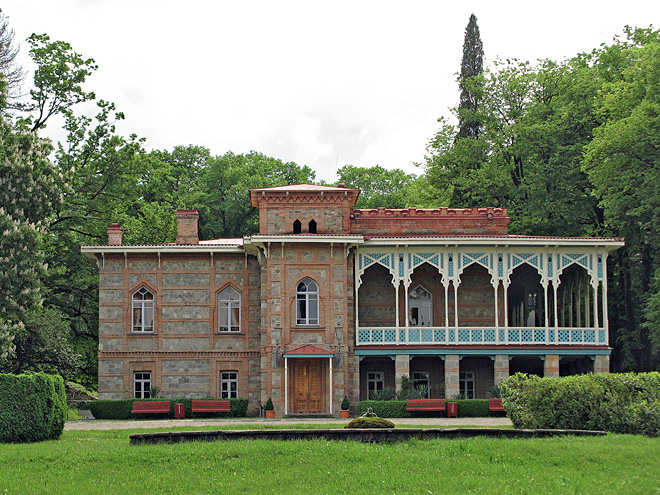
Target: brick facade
[362, 268]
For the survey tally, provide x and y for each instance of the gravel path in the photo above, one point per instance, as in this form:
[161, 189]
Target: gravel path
[98, 424]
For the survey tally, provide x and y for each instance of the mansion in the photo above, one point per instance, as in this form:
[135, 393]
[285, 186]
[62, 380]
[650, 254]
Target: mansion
[328, 300]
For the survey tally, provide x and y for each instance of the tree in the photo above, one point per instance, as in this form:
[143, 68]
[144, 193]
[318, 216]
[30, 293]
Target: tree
[13, 73]
[379, 187]
[58, 79]
[471, 68]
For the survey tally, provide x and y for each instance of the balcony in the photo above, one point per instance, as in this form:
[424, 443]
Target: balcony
[481, 336]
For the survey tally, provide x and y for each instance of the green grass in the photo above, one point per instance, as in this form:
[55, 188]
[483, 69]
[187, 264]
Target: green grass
[104, 462]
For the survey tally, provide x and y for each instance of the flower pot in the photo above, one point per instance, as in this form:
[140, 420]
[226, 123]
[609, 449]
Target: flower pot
[270, 414]
[344, 413]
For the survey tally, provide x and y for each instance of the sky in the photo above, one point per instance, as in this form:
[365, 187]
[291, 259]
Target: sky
[323, 84]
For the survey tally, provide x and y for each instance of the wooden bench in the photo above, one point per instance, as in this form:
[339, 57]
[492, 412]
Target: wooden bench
[495, 405]
[210, 406]
[151, 407]
[428, 405]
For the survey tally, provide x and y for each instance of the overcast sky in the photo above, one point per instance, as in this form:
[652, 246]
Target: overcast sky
[323, 84]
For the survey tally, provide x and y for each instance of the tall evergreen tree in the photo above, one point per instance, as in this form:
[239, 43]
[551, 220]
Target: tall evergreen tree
[471, 67]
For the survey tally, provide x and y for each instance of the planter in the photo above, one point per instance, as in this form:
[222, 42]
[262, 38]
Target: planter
[270, 414]
[344, 413]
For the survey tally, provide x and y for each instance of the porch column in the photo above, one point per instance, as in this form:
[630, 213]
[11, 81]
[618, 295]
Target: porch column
[602, 364]
[551, 366]
[401, 367]
[452, 367]
[286, 386]
[501, 368]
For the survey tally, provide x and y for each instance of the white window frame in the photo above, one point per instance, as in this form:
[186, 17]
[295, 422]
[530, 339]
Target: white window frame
[229, 302]
[466, 384]
[142, 311]
[375, 382]
[422, 378]
[229, 384]
[307, 302]
[142, 384]
[420, 308]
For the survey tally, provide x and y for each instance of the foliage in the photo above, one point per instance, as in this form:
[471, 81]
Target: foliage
[494, 392]
[619, 403]
[58, 78]
[121, 409]
[269, 405]
[471, 68]
[370, 423]
[378, 186]
[345, 405]
[385, 408]
[386, 393]
[32, 407]
[473, 408]
[13, 73]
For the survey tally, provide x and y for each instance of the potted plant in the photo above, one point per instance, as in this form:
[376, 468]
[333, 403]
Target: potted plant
[270, 409]
[345, 406]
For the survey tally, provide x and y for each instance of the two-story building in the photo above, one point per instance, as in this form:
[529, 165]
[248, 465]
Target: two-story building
[328, 300]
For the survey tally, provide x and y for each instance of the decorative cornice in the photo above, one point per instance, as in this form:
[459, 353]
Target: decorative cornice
[178, 354]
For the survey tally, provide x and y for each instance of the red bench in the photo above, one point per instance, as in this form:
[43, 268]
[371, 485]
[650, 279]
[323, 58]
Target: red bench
[429, 405]
[495, 405]
[151, 407]
[210, 406]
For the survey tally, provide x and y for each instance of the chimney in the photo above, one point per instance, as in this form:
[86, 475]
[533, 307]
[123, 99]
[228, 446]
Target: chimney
[114, 234]
[186, 222]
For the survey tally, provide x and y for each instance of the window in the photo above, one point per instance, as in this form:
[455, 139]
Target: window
[375, 382]
[466, 384]
[229, 385]
[297, 227]
[420, 305]
[421, 379]
[229, 310]
[312, 226]
[307, 303]
[143, 310]
[142, 384]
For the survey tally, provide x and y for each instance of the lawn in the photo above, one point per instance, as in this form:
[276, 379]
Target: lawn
[104, 462]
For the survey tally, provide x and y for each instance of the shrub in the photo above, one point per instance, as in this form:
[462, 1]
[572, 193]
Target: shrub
[385, 409]
[472, 408]
[370, 423]
[32, 407]
[269, 405]
[619, 403]
[345, 405]
[121, 409]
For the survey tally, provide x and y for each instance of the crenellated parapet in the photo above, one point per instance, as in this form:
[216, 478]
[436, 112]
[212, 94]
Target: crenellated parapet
[436, 221]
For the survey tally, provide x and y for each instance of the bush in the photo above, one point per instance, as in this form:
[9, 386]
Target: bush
[370, 423]
[269, 405]
[121, 409]
[385, 408]
[619, 403]
[32, 407]
[345, 405]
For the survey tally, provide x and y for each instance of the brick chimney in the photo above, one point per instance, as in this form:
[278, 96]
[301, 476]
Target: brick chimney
[114, 234]
[186, 222]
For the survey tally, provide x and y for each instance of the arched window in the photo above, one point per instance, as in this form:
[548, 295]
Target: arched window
[420, 305]
[297, 227]
[143, 310]
[312, 226]
[307, 303]
[229, 310]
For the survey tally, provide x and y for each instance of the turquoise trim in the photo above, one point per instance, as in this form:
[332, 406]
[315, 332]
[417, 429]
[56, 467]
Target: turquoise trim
[484, 352]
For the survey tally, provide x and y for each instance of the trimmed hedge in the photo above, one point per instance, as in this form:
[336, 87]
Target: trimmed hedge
[121, 409]
[467, 408]
[385, 408]
[619, 403]
[32, 407]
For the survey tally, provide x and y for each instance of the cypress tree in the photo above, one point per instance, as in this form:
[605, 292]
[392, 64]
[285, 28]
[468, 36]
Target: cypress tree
[472, 63]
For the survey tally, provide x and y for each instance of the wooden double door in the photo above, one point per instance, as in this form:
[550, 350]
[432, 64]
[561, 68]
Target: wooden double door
[309, 386]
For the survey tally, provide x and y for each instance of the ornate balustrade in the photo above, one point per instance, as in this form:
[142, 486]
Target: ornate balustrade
[483, 336]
